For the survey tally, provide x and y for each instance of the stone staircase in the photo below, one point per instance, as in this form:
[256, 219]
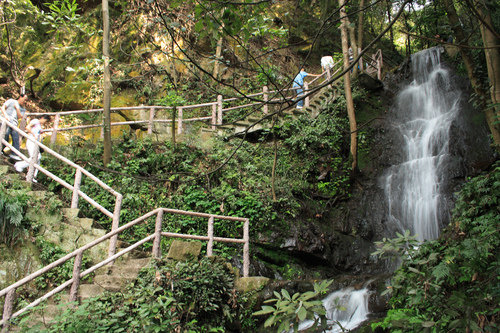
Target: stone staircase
[63, 228]
[318, 102]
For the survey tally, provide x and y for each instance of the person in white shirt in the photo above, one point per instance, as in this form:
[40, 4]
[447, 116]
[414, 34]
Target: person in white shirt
[13, 110]
[327, 63]
[34, 130]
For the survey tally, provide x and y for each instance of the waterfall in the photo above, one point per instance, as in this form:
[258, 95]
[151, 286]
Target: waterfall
[356, 311]
[423, 115]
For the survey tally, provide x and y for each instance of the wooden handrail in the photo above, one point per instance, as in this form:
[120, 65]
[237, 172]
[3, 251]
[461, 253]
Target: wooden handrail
[58, 156]
[77, 275]
[216, 106]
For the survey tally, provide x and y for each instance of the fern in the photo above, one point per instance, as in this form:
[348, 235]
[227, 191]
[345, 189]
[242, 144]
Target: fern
[441, 271]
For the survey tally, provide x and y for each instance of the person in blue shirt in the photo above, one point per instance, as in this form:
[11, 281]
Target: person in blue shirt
[298, 83]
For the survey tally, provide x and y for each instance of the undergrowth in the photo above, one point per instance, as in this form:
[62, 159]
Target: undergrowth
[192, 296]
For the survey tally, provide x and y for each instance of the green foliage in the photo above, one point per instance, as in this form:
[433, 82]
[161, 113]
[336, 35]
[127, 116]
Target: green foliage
[49, 253]
[320, 145]
[451, 284]
[193, 296]
[288, 311]
[12, 210]
[403, 246]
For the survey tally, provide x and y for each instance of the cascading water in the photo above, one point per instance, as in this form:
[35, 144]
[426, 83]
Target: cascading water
[354, 310]
[424, 112]
[423, 116]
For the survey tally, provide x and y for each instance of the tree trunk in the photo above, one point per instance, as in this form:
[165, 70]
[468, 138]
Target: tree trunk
[354, 46]
[484, 97]
[347, 87]
[389, 19]
[218, 55]
[492, 54]
[360, 27]
[106, 115]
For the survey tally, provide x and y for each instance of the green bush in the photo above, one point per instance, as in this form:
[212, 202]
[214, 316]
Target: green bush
[193, 296]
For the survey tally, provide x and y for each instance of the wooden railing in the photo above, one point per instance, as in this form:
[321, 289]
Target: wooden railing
[10, 292]
[216, 110]
[79, 172]
[374, 63]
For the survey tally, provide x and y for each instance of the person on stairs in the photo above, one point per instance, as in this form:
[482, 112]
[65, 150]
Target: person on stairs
[34, 130]
[14, 110]
[327, 63]
[298, 83]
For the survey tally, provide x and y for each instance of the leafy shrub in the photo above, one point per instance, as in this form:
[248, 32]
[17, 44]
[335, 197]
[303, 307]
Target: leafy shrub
[289, 311]
[49, 253]
[194, 296]
[12, 210]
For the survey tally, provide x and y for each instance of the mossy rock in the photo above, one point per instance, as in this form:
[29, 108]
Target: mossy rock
[180, 250]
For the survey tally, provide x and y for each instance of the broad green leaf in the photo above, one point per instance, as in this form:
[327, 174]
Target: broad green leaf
[302, 314]
[286, 294]
[270, 321]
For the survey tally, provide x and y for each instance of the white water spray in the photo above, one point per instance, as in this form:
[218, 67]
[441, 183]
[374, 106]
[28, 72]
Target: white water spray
[425, 111]
[356, 311]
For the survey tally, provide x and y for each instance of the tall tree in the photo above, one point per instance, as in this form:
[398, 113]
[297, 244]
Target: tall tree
[484, 96]
[106, 115]
[347, 87]
[491, 43]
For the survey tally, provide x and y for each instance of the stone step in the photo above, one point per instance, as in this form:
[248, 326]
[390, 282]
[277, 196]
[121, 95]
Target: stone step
[243, 123]
[298, 111]
[87, 291]
[4, 169]
[85, 223]
[113, 283]
[70, 213]
[253, 119]
[134, 263]
[225, 127]
[38, 194]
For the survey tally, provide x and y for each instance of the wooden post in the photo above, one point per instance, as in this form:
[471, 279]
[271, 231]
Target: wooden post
[379, 70]
[173, 125]
[22, 125]
[214, 116]
[151, 119]
[53, 137]
[76, 188]
[246, 248]
[265, 109]
[3, 130]
[7, 309]
[156, 243]
[115, 224]
[77, 268]
[306, 91]
[210, 244]
[219, 109]
[33, 160]
[380, 64]
[179, 120]
[360, 59]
